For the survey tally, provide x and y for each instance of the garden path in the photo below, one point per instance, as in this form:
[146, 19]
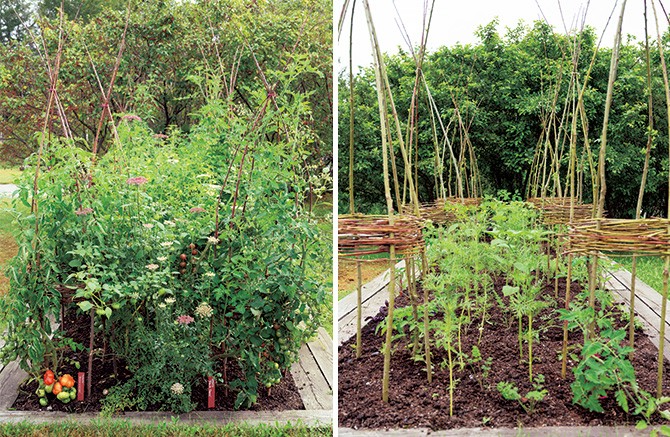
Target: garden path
[7, 190]
[647, 304]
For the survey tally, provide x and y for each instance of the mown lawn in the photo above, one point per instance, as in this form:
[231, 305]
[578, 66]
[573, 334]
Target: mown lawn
[7, 244]
[649, 269]
[7, 175]
[323, 210]
[104, 428]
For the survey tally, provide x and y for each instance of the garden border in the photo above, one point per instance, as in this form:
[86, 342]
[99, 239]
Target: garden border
[618, 282]
[312, 375]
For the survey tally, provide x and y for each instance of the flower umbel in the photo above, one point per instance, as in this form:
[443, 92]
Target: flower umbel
[185, 320]
[131, 117]
[84, 211]
[140, 180]
[177, 388]
[152, 267]
[213, 240]
[204, 310]
[196, 209]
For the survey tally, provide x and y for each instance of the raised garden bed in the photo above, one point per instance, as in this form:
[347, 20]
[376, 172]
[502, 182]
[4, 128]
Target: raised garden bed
[304, 396]
[416, 404]
[417, 407]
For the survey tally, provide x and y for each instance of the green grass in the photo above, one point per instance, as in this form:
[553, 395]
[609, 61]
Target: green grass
[7, 244]
[649, 269]
[103, 428]
[323, 211]
[7, 175]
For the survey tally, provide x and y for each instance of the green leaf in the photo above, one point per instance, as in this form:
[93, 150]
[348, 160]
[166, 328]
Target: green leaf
[641, 425]
[85, 305]
[508, 290]
[108, 312]
[665, 430]
[621, 399]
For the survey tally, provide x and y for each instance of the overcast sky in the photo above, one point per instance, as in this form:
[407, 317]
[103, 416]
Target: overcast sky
[455, 21]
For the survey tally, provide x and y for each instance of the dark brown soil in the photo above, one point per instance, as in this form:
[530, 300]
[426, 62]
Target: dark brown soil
[414, 403]
[283, 396]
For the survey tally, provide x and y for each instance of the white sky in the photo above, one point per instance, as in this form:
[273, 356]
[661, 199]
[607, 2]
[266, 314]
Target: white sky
[456, 21]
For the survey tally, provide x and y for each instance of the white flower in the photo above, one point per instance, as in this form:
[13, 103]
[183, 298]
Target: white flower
[173, 161]
[168, 223]
[170, 300]
[177, 388]
[210, 274]
[204, 310]
[152, 267]
[134, 295]
[161, 305]
[167, 244]
[148, 225]
[213, 240]
[162, 258]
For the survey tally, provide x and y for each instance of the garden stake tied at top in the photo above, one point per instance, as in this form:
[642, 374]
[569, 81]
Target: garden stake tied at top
[463, 166]
[390, 240]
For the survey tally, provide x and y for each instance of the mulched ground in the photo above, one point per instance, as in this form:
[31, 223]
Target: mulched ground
[413, 403]
[283, 396]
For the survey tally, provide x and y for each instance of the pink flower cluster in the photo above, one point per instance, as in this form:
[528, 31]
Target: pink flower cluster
[185, 320]
[140, 180]
[84, 211]
[161, 136]
[196, 209]
[131, 117]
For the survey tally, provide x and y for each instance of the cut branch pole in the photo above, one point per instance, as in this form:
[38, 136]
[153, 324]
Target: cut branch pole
[643, 181]
[601, 157]
[379, 75]
[359, 279]
[359, 312]
[666, 267]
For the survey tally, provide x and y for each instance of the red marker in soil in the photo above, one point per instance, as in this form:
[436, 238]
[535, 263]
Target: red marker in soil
[80, 386]
[211, 390]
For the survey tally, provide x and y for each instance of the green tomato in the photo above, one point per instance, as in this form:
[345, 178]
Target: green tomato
[116, 305]
[44, 402]
[49, 388]
[73, 393]
[63, 396]
[100, 312]
[275, 365]
[40, 392]
[268, 384]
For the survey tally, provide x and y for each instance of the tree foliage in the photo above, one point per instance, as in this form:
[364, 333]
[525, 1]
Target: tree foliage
[505, 84]
[170, 47]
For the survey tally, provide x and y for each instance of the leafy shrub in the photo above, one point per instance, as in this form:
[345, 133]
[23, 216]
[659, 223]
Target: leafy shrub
[185, 251]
